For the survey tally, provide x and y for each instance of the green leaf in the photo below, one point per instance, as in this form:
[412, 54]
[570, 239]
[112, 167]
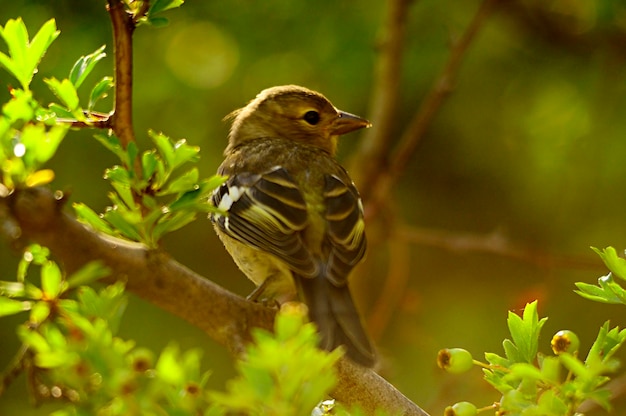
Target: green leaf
[88, 274]
[12, 306]
[525, 331]
[158, 21]
[128, 230]
[616, 264]
[149, 161]
[184, 153]
[84, 65]
[164, 147]
[60, 112]
[33, 339]
[41, 144]
[173, 223]
[54, 359]
[89, 216]
[114, 145]
[51, 280]
[118, 174]
[66, 92]
[40, 312]
[25, 55]
[188, 181]
[576, 366]
[99, 92]
[168, 366]
[159, 6]
[12, 289]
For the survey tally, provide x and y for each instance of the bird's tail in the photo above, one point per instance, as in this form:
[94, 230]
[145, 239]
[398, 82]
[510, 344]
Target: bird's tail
[332, 309]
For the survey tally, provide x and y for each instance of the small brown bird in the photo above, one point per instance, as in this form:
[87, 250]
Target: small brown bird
[294, 218]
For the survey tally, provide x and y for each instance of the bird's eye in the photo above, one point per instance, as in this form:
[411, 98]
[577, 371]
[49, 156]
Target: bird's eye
[312, 117]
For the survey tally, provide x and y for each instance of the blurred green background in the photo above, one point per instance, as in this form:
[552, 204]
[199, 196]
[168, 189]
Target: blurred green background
[530, 146]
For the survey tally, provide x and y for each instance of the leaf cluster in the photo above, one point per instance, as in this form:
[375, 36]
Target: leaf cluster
[534, 384]
[153, 199]
[73, 355]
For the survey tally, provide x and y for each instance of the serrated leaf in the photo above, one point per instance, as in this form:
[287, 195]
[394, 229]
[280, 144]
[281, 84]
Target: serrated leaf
[188, 181]
[525, 331]
[122, 226]
[100, 91]
[89, 216]
[65, 91]
[125, 193]
[615, 264]
[164, 147]
[511, 351]
[12, 306]
[24, 55]
[148, 163]
[40, 43]
[118, 174]
[184, 153]
[84, 65]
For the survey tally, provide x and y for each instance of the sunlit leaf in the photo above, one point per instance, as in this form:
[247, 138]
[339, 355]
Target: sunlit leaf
[84, 65]
[100, 91]
[89, 216]
[51, 280]
[11, 289]
[39, 178]
[185, 182]
[161, 5]
[12, 306]
[65, 91]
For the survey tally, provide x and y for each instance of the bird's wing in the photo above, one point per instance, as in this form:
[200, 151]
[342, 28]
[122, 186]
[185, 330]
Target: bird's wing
[345, 240]
[266, 211]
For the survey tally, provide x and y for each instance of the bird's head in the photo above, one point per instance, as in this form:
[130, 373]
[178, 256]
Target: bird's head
[294, 113]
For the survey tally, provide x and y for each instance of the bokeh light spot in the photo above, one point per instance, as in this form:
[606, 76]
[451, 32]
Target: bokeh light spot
[202, 56]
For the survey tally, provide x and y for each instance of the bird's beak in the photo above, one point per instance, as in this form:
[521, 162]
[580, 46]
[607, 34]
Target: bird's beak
[346, 123]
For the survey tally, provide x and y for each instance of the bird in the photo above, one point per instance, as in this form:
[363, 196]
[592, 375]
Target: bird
[290, 215]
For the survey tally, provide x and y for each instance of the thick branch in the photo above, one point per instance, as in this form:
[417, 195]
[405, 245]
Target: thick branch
[36, 215]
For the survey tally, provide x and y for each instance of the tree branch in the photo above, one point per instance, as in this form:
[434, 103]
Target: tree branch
[377, 140]
[36, 215]
[388, 174]
[123, 28]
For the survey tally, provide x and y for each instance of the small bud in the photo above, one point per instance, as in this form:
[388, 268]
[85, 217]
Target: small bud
[461, 409]
[455, 360]
[565, 341]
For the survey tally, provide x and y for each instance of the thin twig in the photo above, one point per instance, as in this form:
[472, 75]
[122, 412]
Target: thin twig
[123, 28]
[14, 369]
[424, 116]
[377, 140]
[492, 243]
